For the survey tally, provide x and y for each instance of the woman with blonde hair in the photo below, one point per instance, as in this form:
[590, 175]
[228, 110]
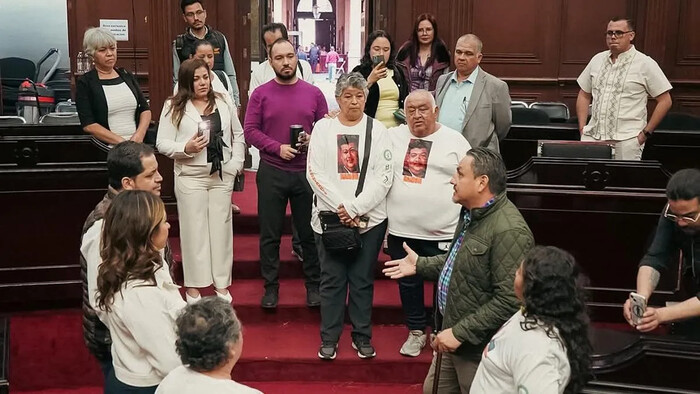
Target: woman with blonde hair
[199, 129]
[136, 297]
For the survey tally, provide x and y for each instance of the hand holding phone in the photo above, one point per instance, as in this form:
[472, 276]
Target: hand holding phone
[377, 59]
[638, 305]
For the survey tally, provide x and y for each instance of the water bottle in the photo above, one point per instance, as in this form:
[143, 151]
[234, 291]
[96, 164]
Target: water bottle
[79, 64]
[87, 64]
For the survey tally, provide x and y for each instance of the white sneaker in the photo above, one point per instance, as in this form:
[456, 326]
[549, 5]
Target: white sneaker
[191, 300]
[226, 297]
[414, 343]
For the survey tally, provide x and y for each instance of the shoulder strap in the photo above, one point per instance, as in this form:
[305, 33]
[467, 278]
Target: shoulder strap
[222, 77]
[301, 69]
[365, 158]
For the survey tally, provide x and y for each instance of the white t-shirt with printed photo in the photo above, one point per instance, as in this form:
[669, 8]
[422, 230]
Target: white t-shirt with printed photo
[183, 380]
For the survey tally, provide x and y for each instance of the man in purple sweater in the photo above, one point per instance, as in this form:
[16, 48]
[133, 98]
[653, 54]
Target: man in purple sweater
[272, 108]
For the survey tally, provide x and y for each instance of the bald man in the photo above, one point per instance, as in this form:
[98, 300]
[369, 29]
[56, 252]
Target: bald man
[472, 100]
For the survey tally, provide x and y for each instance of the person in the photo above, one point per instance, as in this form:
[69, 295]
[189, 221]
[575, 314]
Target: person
[136, 297]
[130, 166]
[273, 107]
[474, 279]
[386, 82]
[195, 16]
[342, 271]
[331, 62]
[263, 72]
[617, 83]
[544, 347]
[426, 154]
[347, 154]
[425, 56]
[209, 342]
[678, 229]
[220, 83]
[200, 130]
[314, 56]
[111, 105]
[472, 100]
[301, 54]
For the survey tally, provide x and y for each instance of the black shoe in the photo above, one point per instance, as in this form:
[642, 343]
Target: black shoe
[364, 347]
[298, 252]
[313, 298]
[327, 351]
[269, 300]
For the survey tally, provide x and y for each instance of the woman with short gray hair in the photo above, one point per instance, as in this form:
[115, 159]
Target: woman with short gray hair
[350, 175]
[111, 105]
[209, 343]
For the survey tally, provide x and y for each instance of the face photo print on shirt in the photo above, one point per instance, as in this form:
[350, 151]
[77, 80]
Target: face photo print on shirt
[415, 162]
[348, 156]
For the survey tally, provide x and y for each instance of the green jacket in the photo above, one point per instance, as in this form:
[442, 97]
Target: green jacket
[480, 297]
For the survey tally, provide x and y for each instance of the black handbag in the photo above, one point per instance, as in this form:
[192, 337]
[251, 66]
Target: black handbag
[239, 182]
[335, 235]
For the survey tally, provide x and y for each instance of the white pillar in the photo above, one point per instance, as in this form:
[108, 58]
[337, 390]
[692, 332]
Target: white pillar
[277, 11]
[355, 46]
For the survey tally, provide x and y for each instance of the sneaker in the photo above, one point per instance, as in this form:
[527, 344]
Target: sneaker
[192, 300]
[364, 347]
[298, 252]
[328, 351]
[414, 343]
[313, 298]
[270, 299]
[226, 297]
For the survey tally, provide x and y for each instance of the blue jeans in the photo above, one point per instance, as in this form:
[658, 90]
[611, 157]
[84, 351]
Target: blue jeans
[331, 71]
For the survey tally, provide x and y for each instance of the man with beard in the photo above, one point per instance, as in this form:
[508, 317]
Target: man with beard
[273, 107]
[347, 151]
[678, 229]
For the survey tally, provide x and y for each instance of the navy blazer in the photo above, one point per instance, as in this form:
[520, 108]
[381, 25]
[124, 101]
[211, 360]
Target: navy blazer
[92, 103]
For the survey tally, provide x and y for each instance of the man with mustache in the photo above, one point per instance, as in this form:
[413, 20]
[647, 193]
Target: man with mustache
[678, 228]
[347, 151]
[273, 107]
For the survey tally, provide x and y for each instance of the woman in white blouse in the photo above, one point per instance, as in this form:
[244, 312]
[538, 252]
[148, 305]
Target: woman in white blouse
[136, 297]
[334, 163]
[199, 129]
[543, 348]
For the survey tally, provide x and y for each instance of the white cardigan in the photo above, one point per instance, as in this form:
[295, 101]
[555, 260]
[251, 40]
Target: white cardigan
[171, 140]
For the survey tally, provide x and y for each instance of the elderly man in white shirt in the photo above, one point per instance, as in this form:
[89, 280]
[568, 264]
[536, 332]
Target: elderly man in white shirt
[618, 81]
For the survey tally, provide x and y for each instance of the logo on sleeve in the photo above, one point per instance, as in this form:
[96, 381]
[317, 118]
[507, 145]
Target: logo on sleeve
[387, 155]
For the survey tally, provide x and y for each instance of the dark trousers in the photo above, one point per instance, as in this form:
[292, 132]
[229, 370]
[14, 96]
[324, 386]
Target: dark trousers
[114, 386]
[106, 367]
[341, 271]
[275, 188]
[411, 287]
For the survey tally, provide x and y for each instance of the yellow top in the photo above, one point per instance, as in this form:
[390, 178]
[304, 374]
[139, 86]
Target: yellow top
[388, 100]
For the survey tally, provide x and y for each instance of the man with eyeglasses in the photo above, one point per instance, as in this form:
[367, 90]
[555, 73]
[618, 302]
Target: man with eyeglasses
[184, 45]
[473, 101]
[678, 229]
[617, 83]
[419, 204]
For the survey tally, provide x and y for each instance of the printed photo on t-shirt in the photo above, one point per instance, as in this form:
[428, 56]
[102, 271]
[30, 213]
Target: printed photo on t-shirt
[415, 162]
[348, 156]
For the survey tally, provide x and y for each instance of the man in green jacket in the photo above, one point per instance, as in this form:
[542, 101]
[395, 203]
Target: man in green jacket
[475, 278]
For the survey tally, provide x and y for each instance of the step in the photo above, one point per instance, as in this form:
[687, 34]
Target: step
[333, 388]
[292, 302]
[246, 258]
[281, 351]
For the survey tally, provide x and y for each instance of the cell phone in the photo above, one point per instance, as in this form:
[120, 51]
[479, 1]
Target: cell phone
[638, 305]
[203, 129]
[376, 59]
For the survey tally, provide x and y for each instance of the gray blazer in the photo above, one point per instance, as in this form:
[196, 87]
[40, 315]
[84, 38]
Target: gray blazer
[488, 112]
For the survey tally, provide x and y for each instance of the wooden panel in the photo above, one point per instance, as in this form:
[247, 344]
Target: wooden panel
[688, 52]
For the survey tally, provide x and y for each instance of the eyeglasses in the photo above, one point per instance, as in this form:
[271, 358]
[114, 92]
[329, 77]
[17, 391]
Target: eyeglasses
[617, 33]
[198, 14]
[422, 111]
[685, 218]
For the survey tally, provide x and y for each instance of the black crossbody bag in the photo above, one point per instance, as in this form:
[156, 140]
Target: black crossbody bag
[336, 236]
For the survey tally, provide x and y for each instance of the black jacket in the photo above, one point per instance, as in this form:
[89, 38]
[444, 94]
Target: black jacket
[92, 102]
[185, 42]
[373, 98]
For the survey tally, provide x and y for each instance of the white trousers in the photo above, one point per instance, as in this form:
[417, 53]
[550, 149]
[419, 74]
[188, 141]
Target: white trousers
[628, 149]
[206, 227]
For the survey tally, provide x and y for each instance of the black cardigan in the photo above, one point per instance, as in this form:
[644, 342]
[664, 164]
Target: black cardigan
[92, 103]
[373, 97]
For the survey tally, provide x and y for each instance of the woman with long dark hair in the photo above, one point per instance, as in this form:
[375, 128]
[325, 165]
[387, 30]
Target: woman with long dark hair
[386, 82]
[544, 347]
[199, 129]
[425, 56]
[136, 297]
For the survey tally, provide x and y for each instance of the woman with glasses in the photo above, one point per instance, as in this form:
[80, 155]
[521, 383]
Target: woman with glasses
[425, 57]
[386, 82]
[544, 348]
[678, 230]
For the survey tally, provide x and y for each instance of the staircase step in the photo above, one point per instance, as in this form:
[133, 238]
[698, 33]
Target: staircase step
[334, 388]
[246, 258]
[279, 351]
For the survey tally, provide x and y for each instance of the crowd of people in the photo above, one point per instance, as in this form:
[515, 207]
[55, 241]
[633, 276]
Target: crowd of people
[508, 316]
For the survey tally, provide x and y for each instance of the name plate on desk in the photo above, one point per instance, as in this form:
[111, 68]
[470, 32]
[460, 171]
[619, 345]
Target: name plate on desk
[576, 149]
